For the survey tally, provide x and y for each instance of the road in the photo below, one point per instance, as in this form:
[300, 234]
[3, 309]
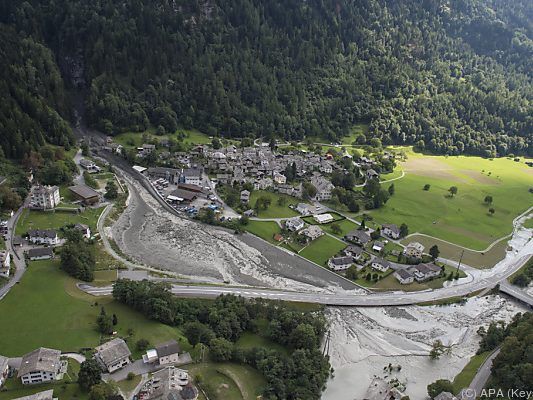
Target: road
[18, 259]
[480, 379]
[336, 299]
[516, 292]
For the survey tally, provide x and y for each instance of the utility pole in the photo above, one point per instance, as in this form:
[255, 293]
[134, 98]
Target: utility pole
[326, 344]
[460, 259]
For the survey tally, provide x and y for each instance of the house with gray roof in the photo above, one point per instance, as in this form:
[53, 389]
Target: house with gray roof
[43, 236]
[113, 355]
[40, 366]
[357, 236]
[380, 264]
[46, 395]
[45, 253]
[391, 230]
[340, 263]
[404, 276]
[168, 352]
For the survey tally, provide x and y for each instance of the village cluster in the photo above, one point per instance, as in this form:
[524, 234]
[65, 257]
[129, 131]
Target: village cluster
[165, 381]
[193, 185]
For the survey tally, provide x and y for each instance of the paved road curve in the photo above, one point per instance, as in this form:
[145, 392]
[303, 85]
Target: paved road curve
[335, 299]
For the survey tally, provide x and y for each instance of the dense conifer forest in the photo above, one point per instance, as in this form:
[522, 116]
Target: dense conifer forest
[447, 76]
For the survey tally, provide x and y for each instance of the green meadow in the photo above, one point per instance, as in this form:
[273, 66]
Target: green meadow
[47, 309]
[33, 219]
[275, 209]
[463, 219]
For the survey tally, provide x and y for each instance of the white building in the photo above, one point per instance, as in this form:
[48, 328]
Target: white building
[323, 187]
[40, 366]
[312, 232]
[168, 352]
[323, 218]
[113, 355]
[294, 224]
[191, 176]
[404, 276]
[280, 179]
[84, 229]
[414, 250]
[45, 197]
[89, 166]
[305, 209]
[423, 272]
[5, 264]
[391, 230]
[380, 264]
[47, 237]
[340, 263]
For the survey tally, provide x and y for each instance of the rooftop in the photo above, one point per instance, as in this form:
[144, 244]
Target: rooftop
[84, 191]
[112, 351]
[42, 359]
[168, 348]
[46, 395]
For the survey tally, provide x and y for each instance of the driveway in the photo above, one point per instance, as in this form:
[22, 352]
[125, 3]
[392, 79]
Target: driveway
[138, 367]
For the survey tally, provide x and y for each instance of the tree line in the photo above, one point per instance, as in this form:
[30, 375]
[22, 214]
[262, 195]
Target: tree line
[448, 78]
[219, 324]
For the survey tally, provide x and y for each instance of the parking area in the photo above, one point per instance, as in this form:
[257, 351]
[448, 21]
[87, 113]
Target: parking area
[188, 198]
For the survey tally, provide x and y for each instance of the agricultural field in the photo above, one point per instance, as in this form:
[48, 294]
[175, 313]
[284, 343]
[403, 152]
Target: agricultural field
[32, 219]
[322, 249]
[277, 208]
[477, 259]
[464, 218]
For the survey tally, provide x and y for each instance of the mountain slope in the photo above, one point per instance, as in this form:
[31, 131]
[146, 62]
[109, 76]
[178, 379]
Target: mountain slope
[452, 77]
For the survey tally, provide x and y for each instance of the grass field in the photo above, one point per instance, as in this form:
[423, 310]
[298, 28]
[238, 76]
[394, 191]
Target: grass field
[356, 131]
[464, 378]
[321, 249]
[135, 139]
[250, 340]
[274, 210]
[345, 225]
[31, 219]
[452, 252]
[264, 229]
[228, 381]
[67, 319]
[463, 219]
[528, 223]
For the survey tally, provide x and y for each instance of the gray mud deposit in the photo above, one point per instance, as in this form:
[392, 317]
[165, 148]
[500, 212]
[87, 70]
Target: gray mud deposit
[155, 237]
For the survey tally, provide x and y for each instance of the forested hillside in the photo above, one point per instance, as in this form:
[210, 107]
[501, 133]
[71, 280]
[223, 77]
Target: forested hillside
[448, 76]
[32, 95]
